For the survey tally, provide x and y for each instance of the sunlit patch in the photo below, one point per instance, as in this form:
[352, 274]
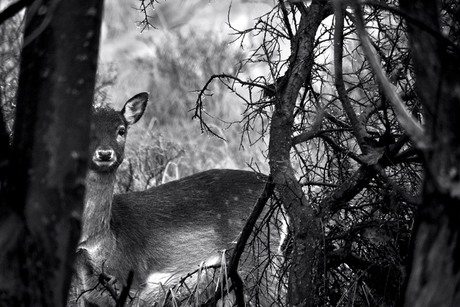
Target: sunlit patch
[157, 278]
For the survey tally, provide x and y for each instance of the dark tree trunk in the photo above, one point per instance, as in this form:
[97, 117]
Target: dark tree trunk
[303, 221]
[434, 278]
[43, 189]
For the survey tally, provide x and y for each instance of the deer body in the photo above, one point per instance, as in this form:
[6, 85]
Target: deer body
[163, 231]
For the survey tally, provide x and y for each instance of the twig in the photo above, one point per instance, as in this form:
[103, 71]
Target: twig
[125, 291]
[313, 132]
[239, 248]
[106, 281]
[418, 23]
[199, 102]
[246, 233]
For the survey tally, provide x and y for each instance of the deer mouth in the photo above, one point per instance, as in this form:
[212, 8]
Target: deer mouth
[104, 165]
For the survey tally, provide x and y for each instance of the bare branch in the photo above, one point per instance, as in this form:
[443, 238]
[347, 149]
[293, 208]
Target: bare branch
[286, 19]
[413, 129]
[359, 130]
[143, 7]
[338, 148]
[313, 132]
[203, 92]
[423, 26]
[240, 245]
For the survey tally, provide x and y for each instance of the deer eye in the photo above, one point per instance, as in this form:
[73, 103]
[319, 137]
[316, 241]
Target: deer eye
[121, 131]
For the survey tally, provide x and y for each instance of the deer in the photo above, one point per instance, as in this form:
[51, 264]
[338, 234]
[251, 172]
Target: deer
[159, 233]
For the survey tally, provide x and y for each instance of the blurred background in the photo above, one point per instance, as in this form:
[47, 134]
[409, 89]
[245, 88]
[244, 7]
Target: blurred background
[187, 43]
[170, 49]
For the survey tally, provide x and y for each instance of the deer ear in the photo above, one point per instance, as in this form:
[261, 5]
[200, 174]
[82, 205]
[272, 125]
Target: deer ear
[134, 108]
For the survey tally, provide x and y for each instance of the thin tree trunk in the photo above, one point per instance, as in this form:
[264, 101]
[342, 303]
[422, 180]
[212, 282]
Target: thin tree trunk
[42, 203]
[304, 224]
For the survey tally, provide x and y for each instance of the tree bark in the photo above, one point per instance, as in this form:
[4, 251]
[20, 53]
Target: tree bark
[303, 221]
[434, 276]
[42, 202]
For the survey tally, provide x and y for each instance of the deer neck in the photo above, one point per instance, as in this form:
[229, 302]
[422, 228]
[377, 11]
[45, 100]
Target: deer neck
[98, 207]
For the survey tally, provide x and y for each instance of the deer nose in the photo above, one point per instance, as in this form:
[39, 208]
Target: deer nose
[105, 154]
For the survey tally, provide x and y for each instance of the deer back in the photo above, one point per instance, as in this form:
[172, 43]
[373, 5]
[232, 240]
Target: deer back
[173, 227]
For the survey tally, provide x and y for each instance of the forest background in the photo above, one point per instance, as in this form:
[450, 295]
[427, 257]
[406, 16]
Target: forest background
[187, 42]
